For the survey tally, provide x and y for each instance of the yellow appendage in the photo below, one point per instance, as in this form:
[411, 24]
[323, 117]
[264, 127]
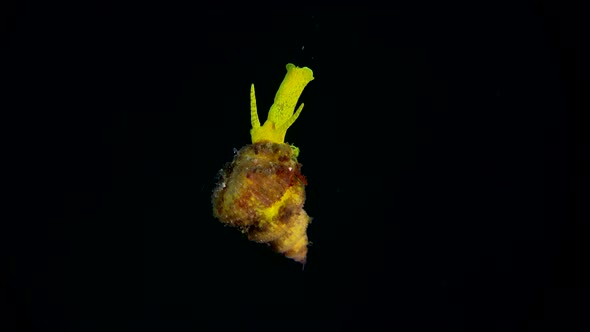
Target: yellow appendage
[281, 115]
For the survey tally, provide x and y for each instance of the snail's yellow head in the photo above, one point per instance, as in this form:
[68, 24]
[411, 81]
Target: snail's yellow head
[281, 115]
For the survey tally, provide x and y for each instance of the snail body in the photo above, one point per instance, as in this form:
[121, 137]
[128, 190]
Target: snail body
[262, 191]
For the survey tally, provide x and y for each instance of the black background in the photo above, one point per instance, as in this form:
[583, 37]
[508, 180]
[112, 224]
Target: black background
[442, 143]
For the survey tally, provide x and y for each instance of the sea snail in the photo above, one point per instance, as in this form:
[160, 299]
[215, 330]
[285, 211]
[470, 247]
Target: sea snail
[262, 191]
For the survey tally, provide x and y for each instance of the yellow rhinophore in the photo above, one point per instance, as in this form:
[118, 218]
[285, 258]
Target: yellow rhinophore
[280, 116]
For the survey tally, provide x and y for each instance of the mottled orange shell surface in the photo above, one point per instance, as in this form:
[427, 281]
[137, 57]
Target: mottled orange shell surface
[262, 193]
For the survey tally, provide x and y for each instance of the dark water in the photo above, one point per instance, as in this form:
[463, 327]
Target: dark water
[440, 143]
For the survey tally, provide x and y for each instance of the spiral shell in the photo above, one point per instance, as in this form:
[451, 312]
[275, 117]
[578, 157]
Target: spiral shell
[262, 192]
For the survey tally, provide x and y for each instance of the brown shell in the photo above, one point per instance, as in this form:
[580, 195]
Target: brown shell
[262, 192]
